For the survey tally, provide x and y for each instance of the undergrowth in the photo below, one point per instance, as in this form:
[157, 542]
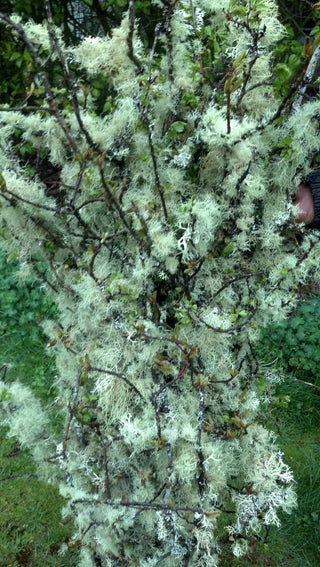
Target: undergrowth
[32, 531]
[292, 346]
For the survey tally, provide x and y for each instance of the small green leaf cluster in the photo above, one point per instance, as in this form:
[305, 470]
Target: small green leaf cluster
[294, 342]
[294, 51]
[288, 61]
[22, 303]
[23, 307]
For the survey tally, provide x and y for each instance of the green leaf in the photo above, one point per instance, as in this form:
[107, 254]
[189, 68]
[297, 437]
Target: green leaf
[282, 71]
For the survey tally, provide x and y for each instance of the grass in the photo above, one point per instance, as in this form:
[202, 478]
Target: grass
[299, 438]
[31, 528]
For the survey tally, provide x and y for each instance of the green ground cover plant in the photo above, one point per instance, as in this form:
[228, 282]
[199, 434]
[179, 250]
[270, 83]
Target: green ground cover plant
[293, 343]
[23, 306]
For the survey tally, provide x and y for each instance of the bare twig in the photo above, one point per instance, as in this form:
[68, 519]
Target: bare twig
[107, 484]
[147, 506]
[72, 406]
[131, 52]
[308, 76]
[237, 278]
[154, 401]
[4, 369]
[82, 169]
[201, 477]
[111, 199]
[180, 375]
[306, 383]
[116, 375]
[27, 202]
[75, 103]
[158, 186]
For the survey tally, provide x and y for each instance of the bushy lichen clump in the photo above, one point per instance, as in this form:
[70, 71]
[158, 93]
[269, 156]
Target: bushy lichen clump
[166, 234]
